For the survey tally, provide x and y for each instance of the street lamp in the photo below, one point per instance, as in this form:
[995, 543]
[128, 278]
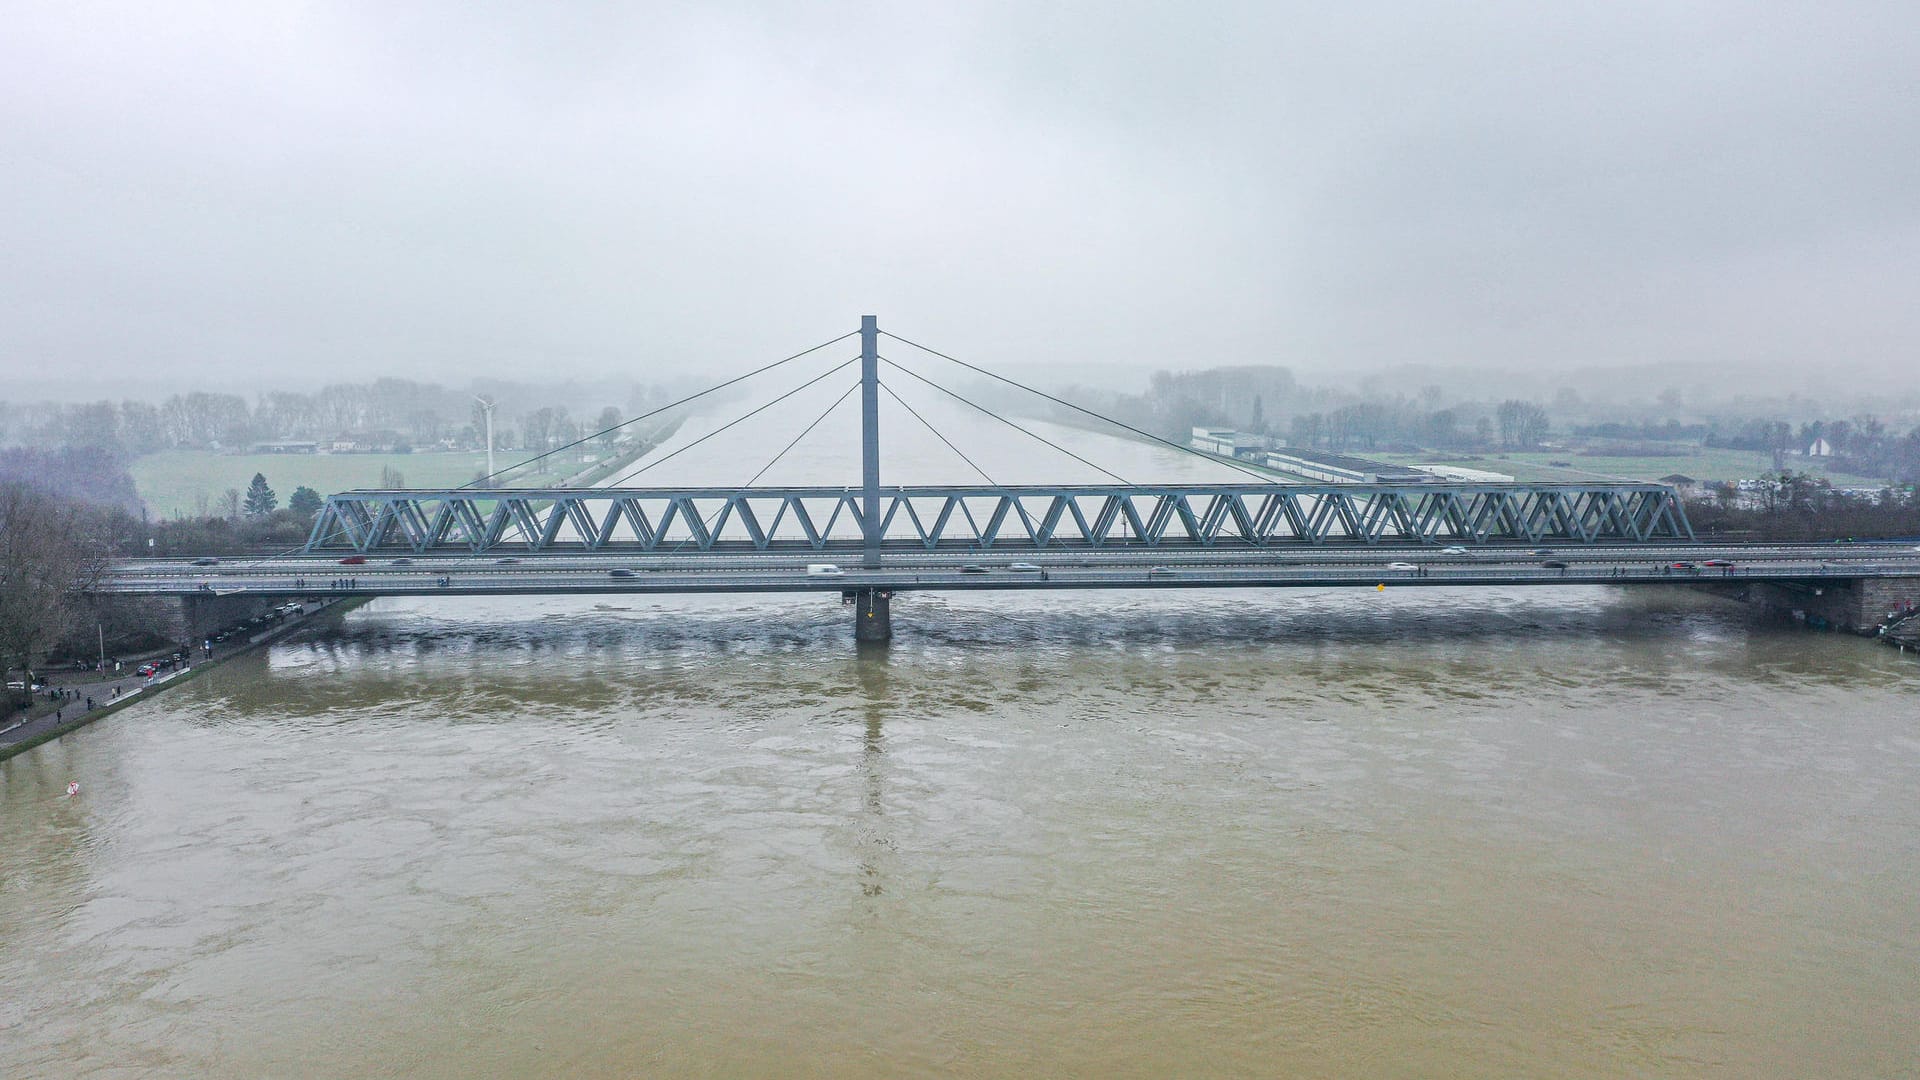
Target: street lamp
[487, 404]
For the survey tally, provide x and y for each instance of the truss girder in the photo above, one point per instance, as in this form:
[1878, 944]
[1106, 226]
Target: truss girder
[981, 519]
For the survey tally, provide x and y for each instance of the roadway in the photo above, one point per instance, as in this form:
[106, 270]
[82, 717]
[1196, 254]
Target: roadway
[507, 573]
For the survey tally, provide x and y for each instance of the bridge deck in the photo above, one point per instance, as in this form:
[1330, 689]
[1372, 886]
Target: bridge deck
[440, 575]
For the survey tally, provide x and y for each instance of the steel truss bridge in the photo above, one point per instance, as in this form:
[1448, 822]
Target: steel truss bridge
[983, 520]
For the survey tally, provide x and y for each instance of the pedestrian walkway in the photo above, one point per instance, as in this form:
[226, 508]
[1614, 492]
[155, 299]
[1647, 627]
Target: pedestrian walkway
[118, 688]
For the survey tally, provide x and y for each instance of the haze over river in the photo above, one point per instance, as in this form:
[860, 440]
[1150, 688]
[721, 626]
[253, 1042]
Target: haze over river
[1425, 832]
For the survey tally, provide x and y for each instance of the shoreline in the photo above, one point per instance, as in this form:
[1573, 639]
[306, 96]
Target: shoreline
[265, 637]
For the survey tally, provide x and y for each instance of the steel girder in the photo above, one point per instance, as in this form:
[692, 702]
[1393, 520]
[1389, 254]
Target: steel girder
[982, 519]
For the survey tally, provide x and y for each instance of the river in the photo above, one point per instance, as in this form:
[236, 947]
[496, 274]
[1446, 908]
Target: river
[1547, 832]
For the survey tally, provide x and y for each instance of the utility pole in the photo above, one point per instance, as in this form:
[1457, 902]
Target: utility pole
[487, 404]
[870, 435]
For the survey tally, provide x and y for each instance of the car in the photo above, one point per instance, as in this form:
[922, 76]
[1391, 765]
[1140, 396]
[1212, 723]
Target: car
[508, 561]
[1024, 568]
[1402, 566]
[1456, 550]
[1540, 551]
[1554, 564]
[973, 568]
[822, 569]
[206, 562]
[1682, 566]
[403, 562]
[1157, 571]
[620, 571]
[1718, 563]
[354, 560]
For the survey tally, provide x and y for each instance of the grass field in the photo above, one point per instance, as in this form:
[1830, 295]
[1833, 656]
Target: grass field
[1702, 463]
[172, 481]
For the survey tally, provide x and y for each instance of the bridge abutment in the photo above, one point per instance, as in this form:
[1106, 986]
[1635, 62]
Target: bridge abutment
[1857, 605]
[872, 615]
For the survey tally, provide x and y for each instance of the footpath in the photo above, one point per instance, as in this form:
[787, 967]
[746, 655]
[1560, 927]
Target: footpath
[88, 696]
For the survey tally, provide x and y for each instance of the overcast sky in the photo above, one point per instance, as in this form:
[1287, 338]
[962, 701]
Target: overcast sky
[287, 193]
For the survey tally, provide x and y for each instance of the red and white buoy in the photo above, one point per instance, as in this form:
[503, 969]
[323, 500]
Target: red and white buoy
[73, 788]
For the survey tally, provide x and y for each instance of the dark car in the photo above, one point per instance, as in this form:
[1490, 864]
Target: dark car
[1554, 564]
[1683, 566]
[354, 560]
[1718, 564]
[973, 568]
[403, 562]
[619, 571]
[506, 561]
[206, 562]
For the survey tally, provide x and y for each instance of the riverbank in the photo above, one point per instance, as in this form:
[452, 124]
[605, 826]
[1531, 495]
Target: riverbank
[32, 732]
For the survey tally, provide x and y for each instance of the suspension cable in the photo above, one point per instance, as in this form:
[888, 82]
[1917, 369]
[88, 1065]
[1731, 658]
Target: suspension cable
[661, 409]
[1083, 409]
[1007, 422]
[808, 431]
[707, 522]
[937, 435]
[736, 420]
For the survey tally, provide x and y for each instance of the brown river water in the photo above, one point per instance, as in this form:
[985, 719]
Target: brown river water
[1560, 832]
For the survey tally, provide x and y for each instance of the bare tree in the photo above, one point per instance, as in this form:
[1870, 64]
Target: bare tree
[45, 562]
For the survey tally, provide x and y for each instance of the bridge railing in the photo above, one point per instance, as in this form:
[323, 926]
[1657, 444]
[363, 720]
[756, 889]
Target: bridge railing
[999, 519]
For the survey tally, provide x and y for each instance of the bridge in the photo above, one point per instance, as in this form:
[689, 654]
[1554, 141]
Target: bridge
[870, 542]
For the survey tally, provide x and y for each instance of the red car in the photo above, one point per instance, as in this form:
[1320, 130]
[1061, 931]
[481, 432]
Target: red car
[353, 560]
[1719, 564]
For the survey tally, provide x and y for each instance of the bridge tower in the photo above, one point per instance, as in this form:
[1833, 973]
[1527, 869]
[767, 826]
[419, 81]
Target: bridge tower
[872, 608]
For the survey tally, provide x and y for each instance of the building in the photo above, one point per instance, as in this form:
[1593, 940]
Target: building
[1342, 469]
[286, 446]
[1227, 442]
[1468, 476]
[1681, 481]
[1820, 448]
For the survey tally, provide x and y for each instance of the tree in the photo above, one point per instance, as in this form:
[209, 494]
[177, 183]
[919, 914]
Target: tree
[230, 502]
[45, 561]
[391, 477]
[260, 498]
[305, 501]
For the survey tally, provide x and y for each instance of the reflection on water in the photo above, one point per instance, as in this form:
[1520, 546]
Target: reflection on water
[1547, 832]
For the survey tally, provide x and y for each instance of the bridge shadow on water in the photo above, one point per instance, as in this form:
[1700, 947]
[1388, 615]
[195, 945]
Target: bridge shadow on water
[488, 660]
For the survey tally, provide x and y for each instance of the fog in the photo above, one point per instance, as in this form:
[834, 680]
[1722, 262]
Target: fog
[285, 194]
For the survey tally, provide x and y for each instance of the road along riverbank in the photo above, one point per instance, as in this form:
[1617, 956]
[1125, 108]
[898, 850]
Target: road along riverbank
[27, 734]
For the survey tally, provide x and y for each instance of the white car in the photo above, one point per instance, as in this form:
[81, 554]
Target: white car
[1401, 566]
[1023, 568]
[1453, 551]
[823, 570]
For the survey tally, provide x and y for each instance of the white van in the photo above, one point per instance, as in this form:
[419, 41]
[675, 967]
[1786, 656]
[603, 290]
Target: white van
[823, 569]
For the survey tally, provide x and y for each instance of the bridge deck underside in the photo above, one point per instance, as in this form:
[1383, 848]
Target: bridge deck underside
[990, 519]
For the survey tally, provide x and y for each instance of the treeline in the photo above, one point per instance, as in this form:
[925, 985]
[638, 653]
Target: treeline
[386, 414]
[1794, 507]
[1863, 445]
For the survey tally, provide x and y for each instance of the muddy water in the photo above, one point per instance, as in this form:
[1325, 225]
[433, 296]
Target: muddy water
[1559, 832]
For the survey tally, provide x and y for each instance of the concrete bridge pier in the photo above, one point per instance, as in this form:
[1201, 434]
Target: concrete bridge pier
[872, 614]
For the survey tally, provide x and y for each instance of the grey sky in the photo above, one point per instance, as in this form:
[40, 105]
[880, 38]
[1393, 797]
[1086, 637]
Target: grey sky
[288, 193]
